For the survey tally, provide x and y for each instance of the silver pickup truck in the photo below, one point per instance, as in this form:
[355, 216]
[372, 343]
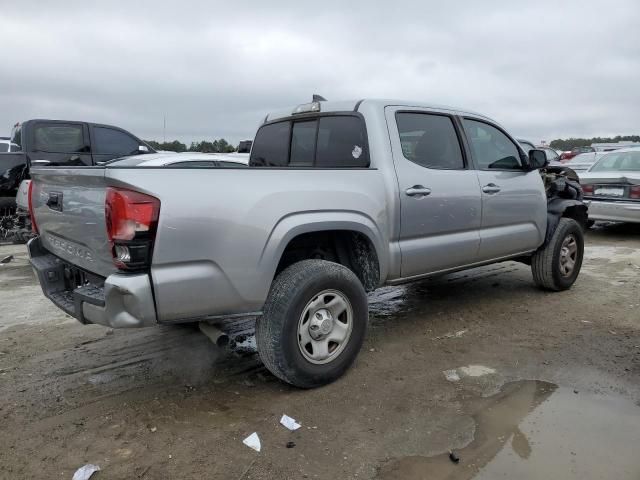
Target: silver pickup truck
[339, 198]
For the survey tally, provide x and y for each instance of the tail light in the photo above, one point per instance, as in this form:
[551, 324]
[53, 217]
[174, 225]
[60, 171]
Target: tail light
[587, 189]
[634, 192]
[132, 220]
[34, 225]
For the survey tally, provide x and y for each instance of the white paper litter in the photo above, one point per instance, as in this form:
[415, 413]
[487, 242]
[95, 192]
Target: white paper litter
[253, 441]
[85, 472]
[451, 375]
[289, 423]
[476, 370]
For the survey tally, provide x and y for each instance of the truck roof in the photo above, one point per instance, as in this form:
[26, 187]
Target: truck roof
[356, 105]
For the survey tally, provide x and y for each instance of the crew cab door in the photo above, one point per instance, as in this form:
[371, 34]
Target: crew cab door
[440, 208]
[63, 144]
[109, 143]
[514, 203]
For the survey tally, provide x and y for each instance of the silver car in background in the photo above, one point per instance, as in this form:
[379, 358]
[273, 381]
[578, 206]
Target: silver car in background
[612, 186]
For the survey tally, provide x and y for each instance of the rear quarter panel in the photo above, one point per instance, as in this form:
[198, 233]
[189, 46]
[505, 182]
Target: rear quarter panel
[221, 231]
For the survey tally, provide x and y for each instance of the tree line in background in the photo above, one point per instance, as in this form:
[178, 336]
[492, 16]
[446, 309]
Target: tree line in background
[570, 143]
[217, 146]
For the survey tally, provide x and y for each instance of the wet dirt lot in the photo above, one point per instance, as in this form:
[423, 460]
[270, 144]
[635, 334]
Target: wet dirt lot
[537, 385]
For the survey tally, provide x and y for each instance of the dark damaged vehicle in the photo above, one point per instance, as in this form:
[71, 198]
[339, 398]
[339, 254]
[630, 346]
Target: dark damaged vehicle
[339, 199]
[60, 143]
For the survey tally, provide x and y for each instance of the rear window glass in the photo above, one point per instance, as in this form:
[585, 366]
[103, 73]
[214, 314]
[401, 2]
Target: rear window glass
[620, 161]
[271, 146]
[57, 138]
[303, 143]
[341, 143]
[326, 142]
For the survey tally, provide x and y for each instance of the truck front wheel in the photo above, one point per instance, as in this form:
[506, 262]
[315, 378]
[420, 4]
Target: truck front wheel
[313, 324]
[557, 265]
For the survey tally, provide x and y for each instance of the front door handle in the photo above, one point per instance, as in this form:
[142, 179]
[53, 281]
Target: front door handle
[417, 191]
[491, 188]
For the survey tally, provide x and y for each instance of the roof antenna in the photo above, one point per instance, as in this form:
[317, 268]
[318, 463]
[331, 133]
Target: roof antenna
[318, 98]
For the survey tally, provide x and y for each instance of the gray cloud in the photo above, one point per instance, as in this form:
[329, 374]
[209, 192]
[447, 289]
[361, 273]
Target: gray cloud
[546, 69]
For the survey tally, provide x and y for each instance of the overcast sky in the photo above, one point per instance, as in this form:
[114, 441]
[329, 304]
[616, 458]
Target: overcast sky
[545, 70]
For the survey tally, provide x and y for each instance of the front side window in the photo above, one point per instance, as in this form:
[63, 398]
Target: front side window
[109, 141]
[271, 146]
[59, 138]
[429, 140]
[491, 148]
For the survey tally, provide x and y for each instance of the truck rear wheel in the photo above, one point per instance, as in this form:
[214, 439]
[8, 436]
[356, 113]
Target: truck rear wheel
[313, 324]
[557, 265]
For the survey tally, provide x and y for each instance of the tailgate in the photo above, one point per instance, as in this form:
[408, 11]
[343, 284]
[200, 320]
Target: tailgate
[69, 210]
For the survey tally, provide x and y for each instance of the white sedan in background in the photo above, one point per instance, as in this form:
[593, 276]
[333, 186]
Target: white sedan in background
[612, 186]
[187, 159]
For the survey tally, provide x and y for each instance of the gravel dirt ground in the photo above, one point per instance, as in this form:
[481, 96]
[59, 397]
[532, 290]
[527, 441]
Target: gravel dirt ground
[537, 385]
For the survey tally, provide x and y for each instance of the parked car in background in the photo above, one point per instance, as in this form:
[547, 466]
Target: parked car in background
[584, 161]
[56, 143]
[612, 186]
[187, 160]
[575, 151]
[526, 145]
[551, 154]
[5, 143]
[339, 198]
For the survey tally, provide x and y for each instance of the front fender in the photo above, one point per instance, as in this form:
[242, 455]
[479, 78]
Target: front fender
[564, 207]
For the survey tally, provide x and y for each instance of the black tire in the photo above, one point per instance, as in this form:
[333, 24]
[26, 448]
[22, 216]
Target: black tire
[277, 328]
[546, 262]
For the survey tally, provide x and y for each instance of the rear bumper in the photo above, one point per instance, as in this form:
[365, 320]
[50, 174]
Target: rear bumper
[613, 211]
[118, 301]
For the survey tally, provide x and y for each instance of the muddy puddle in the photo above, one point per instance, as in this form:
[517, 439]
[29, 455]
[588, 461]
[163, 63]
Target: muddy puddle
[536, 430]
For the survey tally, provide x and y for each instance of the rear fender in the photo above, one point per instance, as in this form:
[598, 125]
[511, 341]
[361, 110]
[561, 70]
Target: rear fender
[293, 225]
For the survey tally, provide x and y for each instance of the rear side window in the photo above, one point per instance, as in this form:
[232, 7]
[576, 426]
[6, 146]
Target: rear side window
[429, 140]
[271, 146]
[59, 138]
[108, 141]
[4, 147]
[492, 149]
[326, 142]
[341, 143]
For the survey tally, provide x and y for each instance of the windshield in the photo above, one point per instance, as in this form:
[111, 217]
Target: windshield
[618, 162]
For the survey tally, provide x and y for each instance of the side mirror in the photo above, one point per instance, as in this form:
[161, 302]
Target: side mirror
[537, 159]
[143, 149]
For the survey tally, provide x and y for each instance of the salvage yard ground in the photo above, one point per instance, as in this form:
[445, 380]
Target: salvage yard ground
[538, 385]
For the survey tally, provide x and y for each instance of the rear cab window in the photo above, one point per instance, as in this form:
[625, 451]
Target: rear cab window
[325, 141]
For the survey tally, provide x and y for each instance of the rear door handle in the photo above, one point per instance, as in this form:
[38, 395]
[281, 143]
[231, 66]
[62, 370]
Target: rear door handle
[417, 191]
[40, 162]
[491, 188]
